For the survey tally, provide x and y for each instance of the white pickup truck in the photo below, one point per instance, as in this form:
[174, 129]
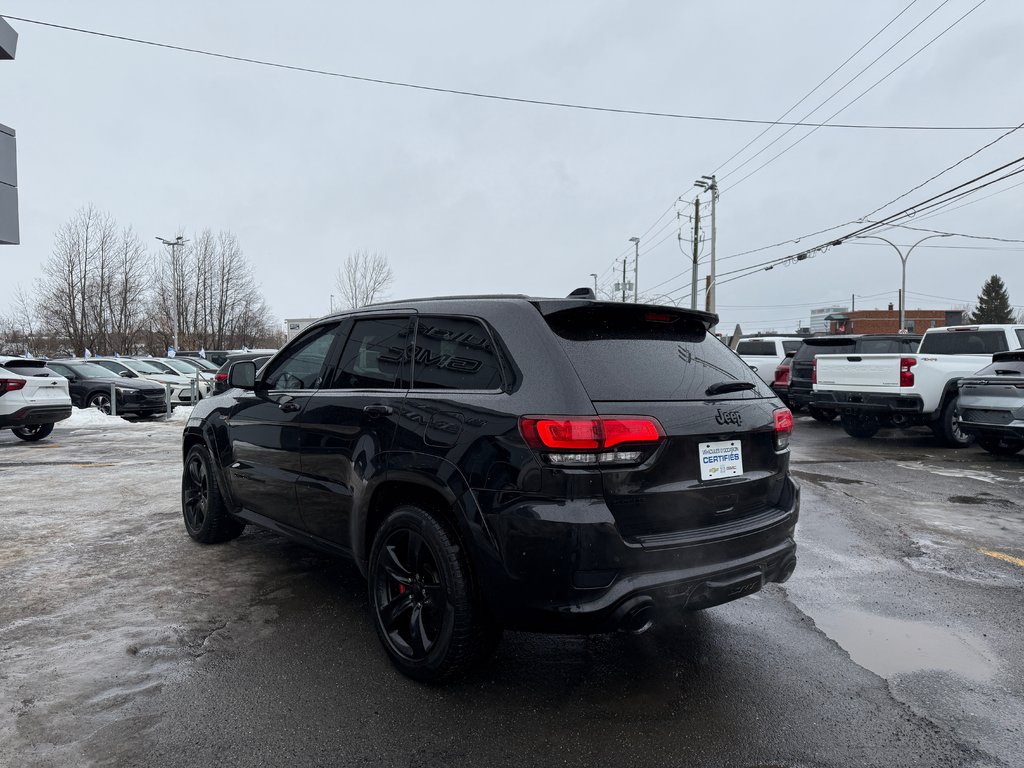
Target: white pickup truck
[875, 391]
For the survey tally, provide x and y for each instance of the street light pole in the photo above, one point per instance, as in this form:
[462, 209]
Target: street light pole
[174, 245]
[903, 262]
[594, 275]
[636, 269]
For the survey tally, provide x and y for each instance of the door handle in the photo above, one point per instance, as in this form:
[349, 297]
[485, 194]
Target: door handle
[373, 411]
[288, 406]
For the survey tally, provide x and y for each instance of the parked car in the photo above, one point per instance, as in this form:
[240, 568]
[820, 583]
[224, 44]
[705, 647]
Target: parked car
[780, 382]
[201, 364]
[220, 382]
[803, 371]
[129, 368]
[991, 404]
[218, 356]
[176, 367]
[89, 385]
[557, 465]
[32, 398]
[909, 389]
[764, 354]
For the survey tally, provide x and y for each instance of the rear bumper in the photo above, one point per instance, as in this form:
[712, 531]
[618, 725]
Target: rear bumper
[36, 414]
[867, 402]
[782, 393]
[565, 568]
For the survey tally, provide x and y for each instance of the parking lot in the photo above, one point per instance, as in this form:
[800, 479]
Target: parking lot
[896, 642]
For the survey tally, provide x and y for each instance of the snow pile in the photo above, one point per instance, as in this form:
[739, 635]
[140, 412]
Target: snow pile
[180, 414]
[92, 417]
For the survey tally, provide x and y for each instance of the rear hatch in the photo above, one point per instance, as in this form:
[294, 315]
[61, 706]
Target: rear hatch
[717, 459]
[995, 394]
[42, 386]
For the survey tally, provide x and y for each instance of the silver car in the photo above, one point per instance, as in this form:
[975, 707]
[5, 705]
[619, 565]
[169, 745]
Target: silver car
[991, 404]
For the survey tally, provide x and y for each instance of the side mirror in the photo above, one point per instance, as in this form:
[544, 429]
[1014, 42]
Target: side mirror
[242, 374]
[127, 375]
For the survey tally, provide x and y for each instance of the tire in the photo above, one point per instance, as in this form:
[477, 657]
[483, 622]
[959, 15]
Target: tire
[101, 401]
[33, 432]
[426, 609]
[1001, 446]
[821, 415]
[202, 506]
[859, 428]
[948, 430]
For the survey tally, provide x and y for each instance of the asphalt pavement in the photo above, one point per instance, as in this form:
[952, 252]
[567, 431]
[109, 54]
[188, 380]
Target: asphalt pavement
[896, 643]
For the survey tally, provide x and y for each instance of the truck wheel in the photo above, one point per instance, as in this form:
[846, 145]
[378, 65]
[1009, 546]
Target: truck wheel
[948, 429]
[425, 608]
[859, 428]
[33, 432]
[1001, 446]
[821, 415]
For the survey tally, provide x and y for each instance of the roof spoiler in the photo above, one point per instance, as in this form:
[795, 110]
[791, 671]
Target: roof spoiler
[582, 293]
[1015, 355]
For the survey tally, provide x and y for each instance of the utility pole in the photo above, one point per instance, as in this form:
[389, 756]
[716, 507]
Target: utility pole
[174, 245]
[623, 279]
[711, 184]
[696, 252]
[636, 270]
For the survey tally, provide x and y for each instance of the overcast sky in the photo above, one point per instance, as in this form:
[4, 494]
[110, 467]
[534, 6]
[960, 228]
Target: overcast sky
[466, 195]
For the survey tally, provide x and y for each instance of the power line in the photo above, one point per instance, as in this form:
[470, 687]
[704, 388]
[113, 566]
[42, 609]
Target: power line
[861, 95]
[842, 88]
[498, 97]
[814, 89]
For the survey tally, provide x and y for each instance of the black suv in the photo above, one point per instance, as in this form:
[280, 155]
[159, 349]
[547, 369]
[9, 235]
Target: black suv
[801, 370]
[558, 465]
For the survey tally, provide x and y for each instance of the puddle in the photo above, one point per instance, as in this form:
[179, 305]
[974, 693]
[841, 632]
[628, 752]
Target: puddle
[814, 477]
[891, 647]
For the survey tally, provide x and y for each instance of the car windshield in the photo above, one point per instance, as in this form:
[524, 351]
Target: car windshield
[141, 366]
[177, 365]
[91, 371]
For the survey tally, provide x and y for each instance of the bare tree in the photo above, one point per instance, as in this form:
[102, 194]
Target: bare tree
[364, 279]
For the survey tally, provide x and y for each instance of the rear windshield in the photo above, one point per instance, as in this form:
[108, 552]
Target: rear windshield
[823, 347]
[756, 347]
[963, 343]
[635, 354]
[791, 346]
[29, 368]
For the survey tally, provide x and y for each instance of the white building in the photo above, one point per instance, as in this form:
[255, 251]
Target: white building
[818, 324]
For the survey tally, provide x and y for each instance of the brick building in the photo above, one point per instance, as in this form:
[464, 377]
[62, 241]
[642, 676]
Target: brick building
[888, 320]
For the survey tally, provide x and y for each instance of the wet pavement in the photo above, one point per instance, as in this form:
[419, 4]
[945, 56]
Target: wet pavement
[896, 643]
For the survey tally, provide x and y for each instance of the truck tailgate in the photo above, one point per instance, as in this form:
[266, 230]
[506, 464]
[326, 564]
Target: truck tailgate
[857, 372]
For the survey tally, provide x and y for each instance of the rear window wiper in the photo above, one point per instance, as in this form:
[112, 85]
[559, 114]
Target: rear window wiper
[728, 386]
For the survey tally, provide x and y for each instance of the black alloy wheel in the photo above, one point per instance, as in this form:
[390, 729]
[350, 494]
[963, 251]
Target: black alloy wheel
[410, 596]
[100, 400]
[862, 429]
[819, 414]
[33, 432]
[948, 428]
[426, 609]
[202, 506]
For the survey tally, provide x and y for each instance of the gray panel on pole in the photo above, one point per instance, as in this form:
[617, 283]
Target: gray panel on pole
[8, 40]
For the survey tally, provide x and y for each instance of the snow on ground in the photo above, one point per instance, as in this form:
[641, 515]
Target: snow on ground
[93, 418]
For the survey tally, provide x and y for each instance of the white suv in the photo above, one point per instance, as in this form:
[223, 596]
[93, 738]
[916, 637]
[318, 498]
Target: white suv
[32, 398]
[764, 353]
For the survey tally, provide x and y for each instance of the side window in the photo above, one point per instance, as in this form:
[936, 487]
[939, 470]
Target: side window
[1020, 336]
[791, 346]
[909, 345]
[60, 369]
[302, 366]
[454, 353]
[376, 355]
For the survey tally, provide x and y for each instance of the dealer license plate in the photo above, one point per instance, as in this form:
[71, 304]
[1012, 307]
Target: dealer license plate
[721, 459]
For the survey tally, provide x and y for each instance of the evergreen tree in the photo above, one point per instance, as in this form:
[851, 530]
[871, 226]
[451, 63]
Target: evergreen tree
[993, 303]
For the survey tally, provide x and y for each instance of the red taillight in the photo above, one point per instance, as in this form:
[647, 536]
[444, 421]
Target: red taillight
[221, 377]
[582, 440]
[782, 375]
[814, 371]
[907, 375]
[9, 385]
[783, 427]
